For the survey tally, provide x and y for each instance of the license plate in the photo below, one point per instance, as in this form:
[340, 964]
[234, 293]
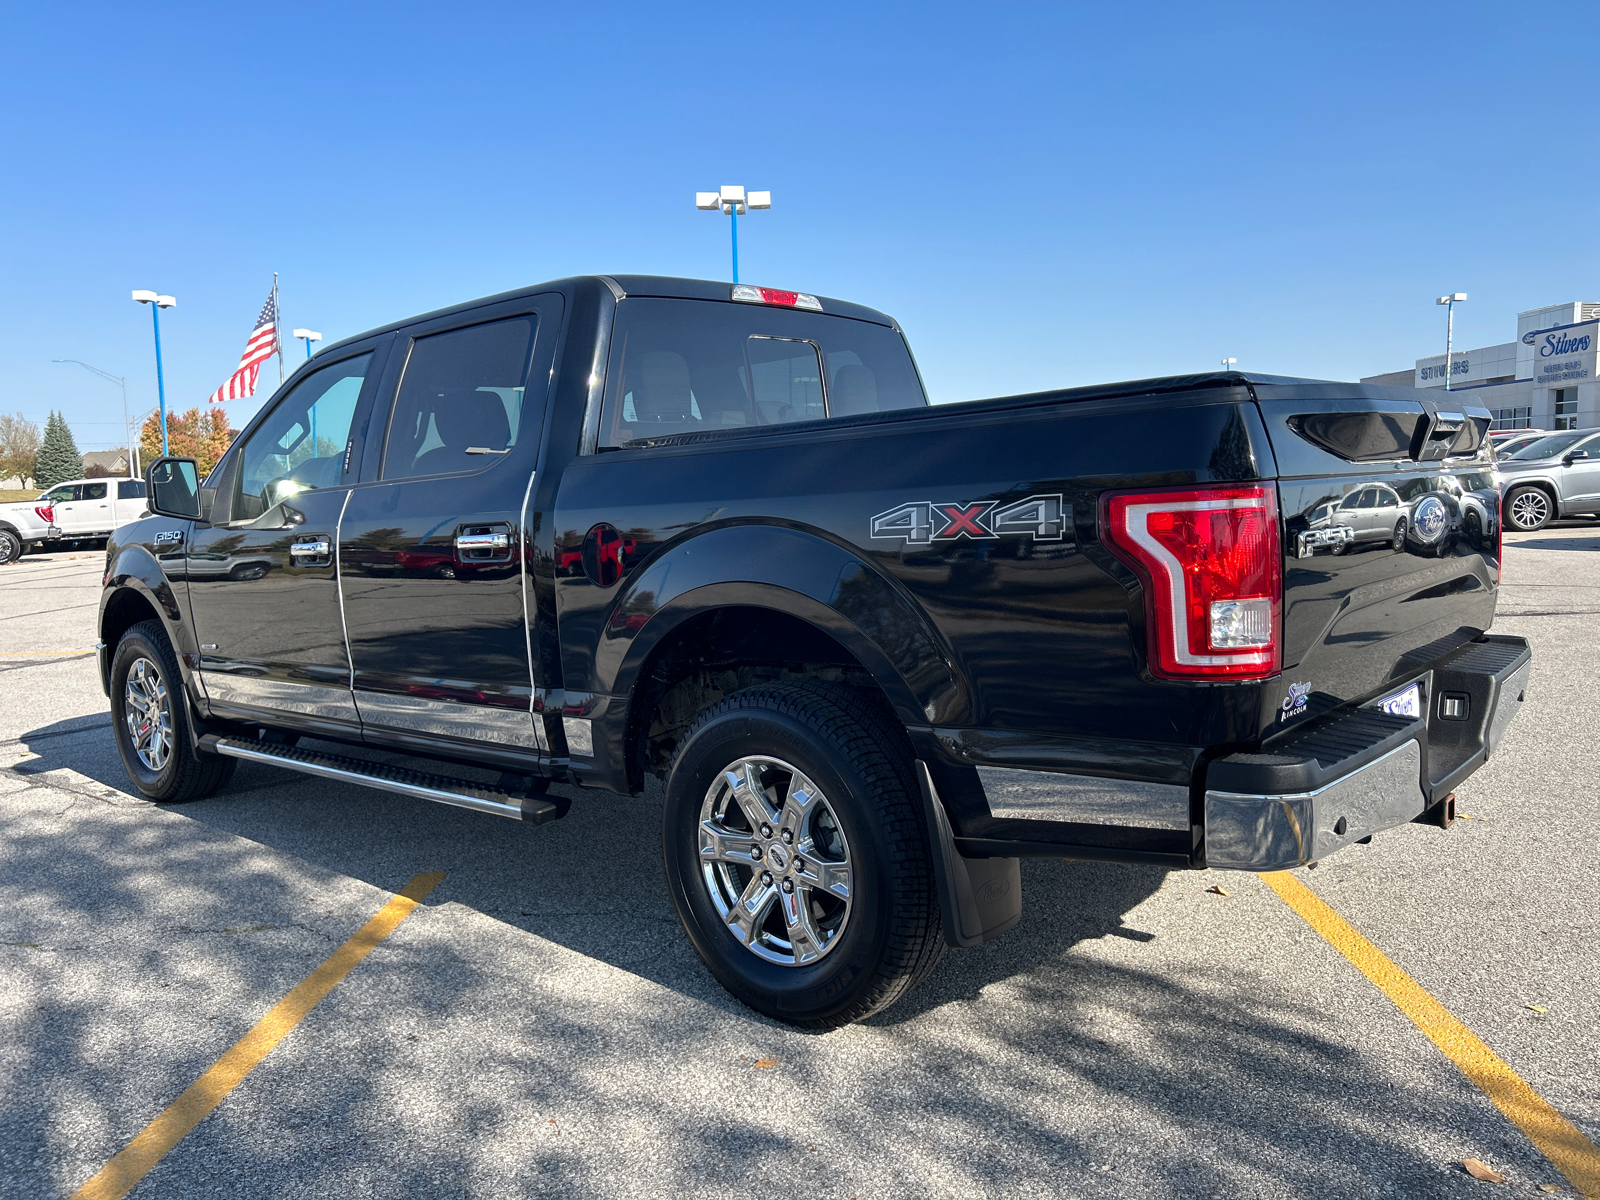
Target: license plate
[1405, 703]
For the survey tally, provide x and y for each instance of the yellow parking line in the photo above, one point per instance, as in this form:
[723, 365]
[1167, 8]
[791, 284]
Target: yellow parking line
[1574, 1155]
[132, 1163]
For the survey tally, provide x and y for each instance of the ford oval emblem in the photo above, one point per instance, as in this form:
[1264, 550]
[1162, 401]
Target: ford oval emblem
[1430, 519]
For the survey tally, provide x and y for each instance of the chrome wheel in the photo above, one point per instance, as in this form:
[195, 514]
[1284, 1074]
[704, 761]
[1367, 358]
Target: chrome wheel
[1530, 509]
[775, 861]
[148, 714]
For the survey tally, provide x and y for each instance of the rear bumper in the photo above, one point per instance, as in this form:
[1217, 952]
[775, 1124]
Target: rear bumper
[1365, 771]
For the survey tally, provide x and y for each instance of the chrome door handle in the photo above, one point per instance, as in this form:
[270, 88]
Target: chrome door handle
[320, 548]
[483, 541]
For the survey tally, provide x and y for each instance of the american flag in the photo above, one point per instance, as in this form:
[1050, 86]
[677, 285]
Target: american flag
[263, 342]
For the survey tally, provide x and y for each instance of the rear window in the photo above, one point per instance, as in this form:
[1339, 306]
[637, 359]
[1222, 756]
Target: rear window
[687, 366]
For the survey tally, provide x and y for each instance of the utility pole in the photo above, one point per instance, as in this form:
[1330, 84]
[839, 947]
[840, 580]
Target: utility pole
[127, 429]
[1450, 303]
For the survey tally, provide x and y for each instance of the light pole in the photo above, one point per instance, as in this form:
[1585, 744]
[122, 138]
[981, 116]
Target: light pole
[308, 336]
[127, 429]
[1449, 303]
[157, 303]
[1228, 363]
[733, 201]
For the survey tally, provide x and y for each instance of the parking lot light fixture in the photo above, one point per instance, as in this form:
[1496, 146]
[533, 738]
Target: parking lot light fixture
[157, 303]
[1229, 363]
[733, 200]
[1450, 303]
[308, 336]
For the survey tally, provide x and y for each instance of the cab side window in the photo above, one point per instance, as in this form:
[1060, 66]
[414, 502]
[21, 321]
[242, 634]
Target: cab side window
[60, 495]
[94, 491]
[459, 407]
[301, 444]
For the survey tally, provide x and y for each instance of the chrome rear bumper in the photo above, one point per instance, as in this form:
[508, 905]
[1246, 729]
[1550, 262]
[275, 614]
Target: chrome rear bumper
[1366, 771]
[1271, 833]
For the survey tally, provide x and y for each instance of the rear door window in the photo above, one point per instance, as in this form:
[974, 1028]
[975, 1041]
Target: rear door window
[688, 366]
[459, 407]
[130, 489]
[94, 491]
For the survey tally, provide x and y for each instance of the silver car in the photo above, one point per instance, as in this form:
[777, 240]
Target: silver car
[1557, 476]
[1373, 513]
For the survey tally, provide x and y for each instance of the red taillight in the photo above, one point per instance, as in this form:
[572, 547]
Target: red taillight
[48, 512]
[1213, 577]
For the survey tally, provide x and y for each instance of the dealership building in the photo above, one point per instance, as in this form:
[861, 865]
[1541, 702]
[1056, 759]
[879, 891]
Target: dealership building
[1546, 379]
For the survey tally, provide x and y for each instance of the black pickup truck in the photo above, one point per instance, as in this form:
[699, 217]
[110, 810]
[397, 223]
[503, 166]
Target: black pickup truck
[611, 528]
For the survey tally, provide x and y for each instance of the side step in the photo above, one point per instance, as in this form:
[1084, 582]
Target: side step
[516, 805]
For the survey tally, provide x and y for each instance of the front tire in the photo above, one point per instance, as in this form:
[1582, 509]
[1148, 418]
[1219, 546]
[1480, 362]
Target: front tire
[795, 856]
[1397, 540]
[1528, 508]
[151, 722]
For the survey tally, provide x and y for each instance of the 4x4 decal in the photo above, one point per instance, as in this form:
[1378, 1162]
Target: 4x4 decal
[922, 522]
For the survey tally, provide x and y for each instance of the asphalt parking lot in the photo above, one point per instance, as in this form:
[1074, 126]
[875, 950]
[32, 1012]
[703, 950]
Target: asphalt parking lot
[540, 1026]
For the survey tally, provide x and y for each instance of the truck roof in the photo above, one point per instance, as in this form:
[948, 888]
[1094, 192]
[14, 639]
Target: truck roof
[665, 286]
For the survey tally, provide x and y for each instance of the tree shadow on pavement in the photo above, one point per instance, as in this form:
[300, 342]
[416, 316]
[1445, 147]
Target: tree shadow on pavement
[1025, 1066]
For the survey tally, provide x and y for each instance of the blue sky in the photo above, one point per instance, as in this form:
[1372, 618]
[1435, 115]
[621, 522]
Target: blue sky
[1044, 195]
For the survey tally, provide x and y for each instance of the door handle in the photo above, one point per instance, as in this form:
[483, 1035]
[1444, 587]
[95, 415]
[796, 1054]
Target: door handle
[483, 541]
[318, 548]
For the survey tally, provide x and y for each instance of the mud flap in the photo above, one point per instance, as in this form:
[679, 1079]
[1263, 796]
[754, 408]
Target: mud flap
[980, 898]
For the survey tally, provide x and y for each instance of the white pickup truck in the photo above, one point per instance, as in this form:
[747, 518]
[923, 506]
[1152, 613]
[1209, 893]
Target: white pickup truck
[69, 512]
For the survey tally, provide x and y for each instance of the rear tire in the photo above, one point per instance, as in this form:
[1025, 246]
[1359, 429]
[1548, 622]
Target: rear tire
[150, 721]
[11, 547]
[833, 772]
[1528, 508]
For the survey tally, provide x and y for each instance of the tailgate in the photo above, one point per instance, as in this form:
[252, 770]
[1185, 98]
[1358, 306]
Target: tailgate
[1391, 539]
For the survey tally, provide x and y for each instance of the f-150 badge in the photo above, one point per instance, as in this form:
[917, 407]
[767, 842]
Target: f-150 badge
[923, 521]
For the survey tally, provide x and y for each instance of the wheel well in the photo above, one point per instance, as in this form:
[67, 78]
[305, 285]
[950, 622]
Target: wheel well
[125, 610]
[1543, 485]
[715, 654]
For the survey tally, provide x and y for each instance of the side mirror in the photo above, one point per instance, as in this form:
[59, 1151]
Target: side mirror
[175, 487]
[1575, 456]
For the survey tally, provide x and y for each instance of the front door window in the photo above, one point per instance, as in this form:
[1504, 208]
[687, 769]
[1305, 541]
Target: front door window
[301, 446]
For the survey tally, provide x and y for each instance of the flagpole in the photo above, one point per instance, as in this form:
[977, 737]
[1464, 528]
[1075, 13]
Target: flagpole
[277, 332]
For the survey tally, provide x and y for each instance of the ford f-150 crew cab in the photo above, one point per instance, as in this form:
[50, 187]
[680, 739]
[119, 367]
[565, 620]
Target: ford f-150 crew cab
[615, 528]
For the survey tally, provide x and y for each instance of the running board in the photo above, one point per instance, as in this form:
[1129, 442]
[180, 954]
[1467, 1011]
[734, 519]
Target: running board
[439, 788]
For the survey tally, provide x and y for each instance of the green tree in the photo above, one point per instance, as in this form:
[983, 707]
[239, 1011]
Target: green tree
[59, 459]
[19, 447]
